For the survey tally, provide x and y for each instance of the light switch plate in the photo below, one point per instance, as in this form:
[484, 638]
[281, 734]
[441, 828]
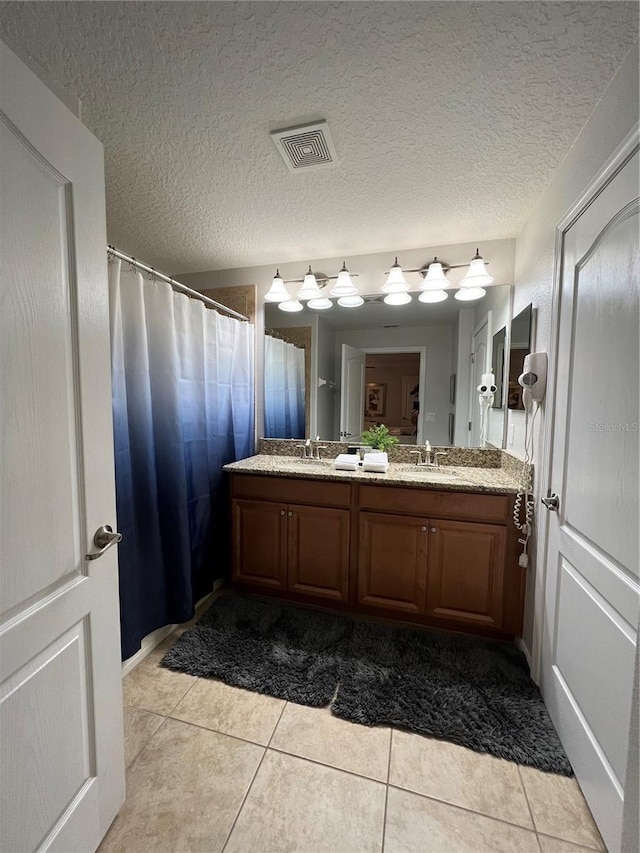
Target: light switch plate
[429, 416]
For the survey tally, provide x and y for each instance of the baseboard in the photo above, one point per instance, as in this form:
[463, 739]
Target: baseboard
[154, 639]
[520, 643]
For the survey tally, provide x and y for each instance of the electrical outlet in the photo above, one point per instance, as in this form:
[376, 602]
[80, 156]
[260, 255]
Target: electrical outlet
[429, 416]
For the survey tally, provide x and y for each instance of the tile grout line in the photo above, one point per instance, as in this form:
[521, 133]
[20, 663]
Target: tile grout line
[386, 791]
[576, 843]
[322, 764]
[253, 778]
[244, 800]
[526, 796]
[467, 809]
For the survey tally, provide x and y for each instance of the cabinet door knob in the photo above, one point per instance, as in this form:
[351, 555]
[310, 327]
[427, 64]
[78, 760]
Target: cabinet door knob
[290, 514]
[423, 528]
[434, 530]
[282, 512]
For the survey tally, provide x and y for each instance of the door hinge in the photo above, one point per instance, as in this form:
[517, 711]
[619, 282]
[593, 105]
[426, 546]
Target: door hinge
[472, 357]
[469, 427]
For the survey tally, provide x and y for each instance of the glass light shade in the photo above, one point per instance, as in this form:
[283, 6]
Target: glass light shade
[350, 301]
[291, 306]
[344, 286]
[277, 292]
[309, 289]
[320, 304]
[396, 283]
[477, 275]
[397, 298]
[432, 296]
[435, 278]
[468, 294]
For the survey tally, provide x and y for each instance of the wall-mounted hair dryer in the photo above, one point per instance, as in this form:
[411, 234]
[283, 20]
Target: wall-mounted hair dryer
[534, 377]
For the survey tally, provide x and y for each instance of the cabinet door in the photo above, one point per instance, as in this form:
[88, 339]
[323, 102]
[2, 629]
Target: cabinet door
[319, 551]
[466, 572]
[392, 562]
[260, 543]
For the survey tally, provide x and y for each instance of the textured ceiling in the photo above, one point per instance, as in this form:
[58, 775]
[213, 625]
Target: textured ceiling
[449, 118]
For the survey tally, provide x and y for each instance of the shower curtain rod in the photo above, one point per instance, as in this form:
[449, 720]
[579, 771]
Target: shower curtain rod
[111, 250]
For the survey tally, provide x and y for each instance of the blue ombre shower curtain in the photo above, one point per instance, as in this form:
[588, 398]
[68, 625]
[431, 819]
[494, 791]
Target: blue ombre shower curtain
[284, 390]
[182, 408]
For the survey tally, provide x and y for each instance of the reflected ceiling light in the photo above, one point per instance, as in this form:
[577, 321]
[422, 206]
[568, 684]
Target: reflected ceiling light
[396, 283]
[397, 298]
[309, 289]
[477, 275]
[350, 301]
[277, 292]
[435, 278]
[432, 296]
[320, 304]
[467, 294]
[292, 305]
[344, 286]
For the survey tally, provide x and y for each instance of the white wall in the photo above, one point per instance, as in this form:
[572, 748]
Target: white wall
[438, 341]
[614, 118]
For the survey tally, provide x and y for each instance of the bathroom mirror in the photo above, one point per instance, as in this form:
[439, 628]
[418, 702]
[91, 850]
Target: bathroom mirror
[519, 347]
[407, 366]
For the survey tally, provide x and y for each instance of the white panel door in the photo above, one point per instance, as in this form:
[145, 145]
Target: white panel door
[352, 394]
[592, 591]
[481, 361]
[60, 694]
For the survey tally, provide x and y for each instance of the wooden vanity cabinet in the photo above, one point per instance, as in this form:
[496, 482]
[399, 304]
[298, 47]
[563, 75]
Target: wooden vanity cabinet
[392, 562]
[466, 572]
[439, 558]
[291, 547]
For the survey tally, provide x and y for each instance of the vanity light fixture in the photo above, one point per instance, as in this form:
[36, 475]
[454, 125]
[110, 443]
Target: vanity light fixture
[395, 298]
[320, 304]
[309, 289]
[468, 294]
[435, 279]
[344, 286]
[430, 296]
[277, 292]
[291, 306]
[396, 282]
[477, 275]
[350, 301]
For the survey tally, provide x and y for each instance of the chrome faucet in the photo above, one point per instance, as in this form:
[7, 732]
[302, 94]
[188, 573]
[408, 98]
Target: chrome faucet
[431, 457]
[307, 449]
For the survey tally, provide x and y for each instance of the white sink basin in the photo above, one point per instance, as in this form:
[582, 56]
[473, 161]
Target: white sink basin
[288, 462]
[430, 473]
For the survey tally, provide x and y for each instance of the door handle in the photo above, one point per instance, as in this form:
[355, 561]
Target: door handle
[551, 502]
[103, 539]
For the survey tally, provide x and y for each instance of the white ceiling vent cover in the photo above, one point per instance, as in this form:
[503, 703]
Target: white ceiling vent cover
[308, 146]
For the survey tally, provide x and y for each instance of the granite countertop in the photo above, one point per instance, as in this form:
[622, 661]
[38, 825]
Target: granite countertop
[447, 478]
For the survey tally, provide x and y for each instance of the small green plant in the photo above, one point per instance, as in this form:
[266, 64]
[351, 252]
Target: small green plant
[379, 438]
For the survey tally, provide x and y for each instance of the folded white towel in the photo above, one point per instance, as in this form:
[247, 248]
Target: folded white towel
[376, 469]
[376, 457]
[346, 462]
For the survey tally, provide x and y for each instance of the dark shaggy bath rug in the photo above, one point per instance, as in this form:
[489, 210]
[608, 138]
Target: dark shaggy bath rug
[471, 692]
[262, 646]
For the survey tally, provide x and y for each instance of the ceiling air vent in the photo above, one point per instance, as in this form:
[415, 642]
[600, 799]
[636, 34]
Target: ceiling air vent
[308, 146]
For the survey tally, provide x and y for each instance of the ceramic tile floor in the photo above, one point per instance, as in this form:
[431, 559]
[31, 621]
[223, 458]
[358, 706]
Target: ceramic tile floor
[213, 768]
